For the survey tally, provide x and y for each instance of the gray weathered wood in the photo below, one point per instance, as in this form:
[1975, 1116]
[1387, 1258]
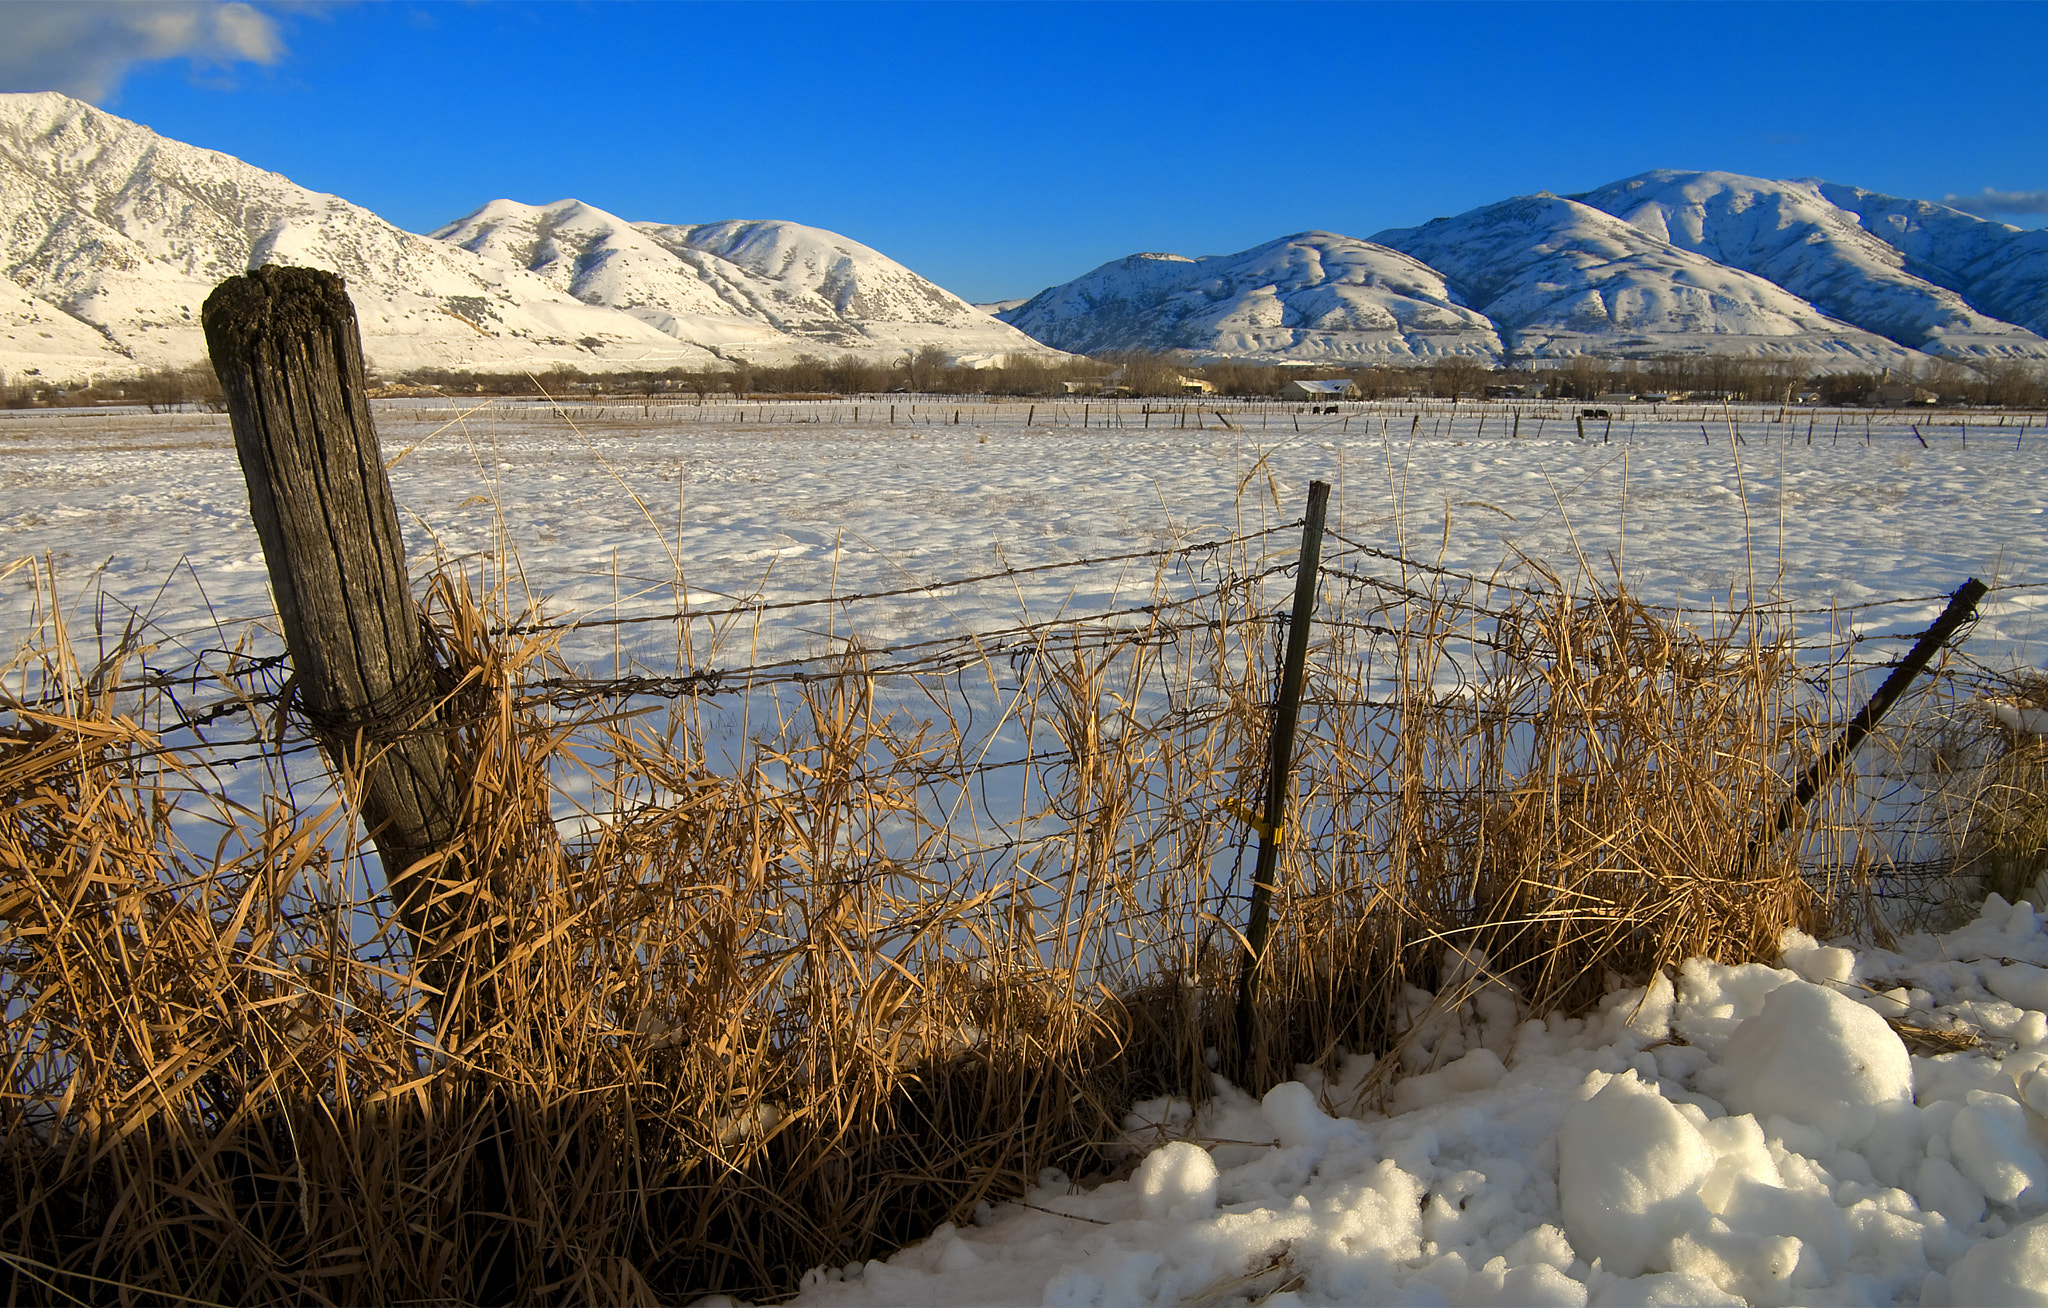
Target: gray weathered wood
[285, 345]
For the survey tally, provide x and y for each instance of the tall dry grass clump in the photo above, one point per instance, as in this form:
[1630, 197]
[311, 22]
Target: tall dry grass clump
[731, 1006]
[1532, 792]
[1997, 762]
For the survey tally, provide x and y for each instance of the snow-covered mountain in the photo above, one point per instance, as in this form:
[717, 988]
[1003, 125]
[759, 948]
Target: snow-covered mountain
[1904, 277]
[1663, 263]
[125, 233]
[112, 237]
[2000, 270]
[1313, 296]
[1561, 278]
[755, 288]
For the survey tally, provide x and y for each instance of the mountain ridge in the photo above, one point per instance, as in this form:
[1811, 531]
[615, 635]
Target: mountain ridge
[1667, 262]
[111, 236]
[1314, 296]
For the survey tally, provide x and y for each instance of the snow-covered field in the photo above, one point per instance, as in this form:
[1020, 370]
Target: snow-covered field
[1751, 1134]
[615, 509]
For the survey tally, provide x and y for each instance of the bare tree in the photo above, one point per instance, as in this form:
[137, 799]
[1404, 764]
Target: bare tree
[927, 367]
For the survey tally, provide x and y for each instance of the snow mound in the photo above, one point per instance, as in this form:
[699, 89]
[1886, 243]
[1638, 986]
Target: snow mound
[1816, 1056]
[2009, 1272]
[1751, 1135]
[1177, 1179]
[1629, 1168]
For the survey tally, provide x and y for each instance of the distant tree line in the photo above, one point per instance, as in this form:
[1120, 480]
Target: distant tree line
[160, 390]
[1145, 375]
[1135, 374]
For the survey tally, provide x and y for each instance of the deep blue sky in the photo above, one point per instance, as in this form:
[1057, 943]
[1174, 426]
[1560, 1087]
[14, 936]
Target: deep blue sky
[998, 148]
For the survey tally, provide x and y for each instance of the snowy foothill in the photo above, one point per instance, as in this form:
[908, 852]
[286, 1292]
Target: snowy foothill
[1731, 1135]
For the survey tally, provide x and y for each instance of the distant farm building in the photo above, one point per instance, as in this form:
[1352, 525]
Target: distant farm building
[1195, 386]
[1895, 394]
[1337, 388]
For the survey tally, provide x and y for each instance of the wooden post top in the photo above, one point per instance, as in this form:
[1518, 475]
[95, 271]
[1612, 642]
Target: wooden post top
[276, 301]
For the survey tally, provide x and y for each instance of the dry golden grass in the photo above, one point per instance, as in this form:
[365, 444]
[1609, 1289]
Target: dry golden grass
[761, 1013]
[1999, 761]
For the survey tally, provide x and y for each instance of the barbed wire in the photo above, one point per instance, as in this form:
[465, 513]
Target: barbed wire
[1536, 592]
[920, 588]
[1155, 623]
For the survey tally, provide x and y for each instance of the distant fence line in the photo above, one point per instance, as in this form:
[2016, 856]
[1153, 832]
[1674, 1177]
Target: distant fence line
[1233, 413]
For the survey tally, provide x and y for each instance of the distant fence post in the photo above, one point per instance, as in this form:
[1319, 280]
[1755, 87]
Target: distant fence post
[286, 348]
[1271, 824]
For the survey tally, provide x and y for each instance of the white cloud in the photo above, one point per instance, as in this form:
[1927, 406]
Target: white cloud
[85, 49]
[1989, 201]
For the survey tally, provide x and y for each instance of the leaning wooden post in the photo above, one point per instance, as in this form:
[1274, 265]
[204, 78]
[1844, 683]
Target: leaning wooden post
[1962, 606]
[1271, 824]
[285, 346]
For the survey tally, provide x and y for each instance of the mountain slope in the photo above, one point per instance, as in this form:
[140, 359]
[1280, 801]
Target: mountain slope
[127, 232]
[761, 288]
[589, 255]
[111, 237]
[1794, 235]
[2000, 270]
[38, 340]
[1311, 297]
[1560, 278]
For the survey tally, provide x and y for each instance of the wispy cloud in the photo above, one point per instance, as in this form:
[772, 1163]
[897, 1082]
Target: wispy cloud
[1989, 201]
[85, 50]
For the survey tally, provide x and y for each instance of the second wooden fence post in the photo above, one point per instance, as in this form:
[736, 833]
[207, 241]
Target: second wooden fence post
[1272, 824]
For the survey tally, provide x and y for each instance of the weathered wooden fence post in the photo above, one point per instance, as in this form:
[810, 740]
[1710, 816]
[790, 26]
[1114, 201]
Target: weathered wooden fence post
[289, 357]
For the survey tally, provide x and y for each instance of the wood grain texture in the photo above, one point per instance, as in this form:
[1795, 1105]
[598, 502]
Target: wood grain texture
[285, 344]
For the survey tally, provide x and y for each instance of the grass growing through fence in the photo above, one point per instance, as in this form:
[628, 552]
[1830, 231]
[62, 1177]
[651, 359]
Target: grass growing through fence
[2004, 842]
[792, 1002]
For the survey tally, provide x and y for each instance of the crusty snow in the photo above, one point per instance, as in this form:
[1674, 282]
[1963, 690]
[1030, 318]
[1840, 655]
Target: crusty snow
[1732, 1135]
[1693, 503]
